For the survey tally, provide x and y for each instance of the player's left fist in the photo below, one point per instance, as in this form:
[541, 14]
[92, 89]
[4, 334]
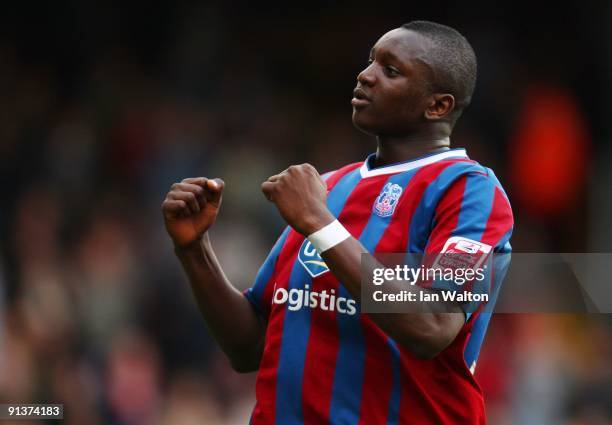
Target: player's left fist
[300, 195]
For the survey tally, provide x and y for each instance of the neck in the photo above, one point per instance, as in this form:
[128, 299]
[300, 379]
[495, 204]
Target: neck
[399, 149]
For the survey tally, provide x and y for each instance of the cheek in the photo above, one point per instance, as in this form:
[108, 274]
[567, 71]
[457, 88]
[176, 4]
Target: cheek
[409, 103]
[397, 111]
[405, 110]
[410, 110]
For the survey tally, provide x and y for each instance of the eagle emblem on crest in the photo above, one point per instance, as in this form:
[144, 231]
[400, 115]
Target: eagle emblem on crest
[385, 203]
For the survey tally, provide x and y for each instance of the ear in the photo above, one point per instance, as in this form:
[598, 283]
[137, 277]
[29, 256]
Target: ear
[440, 106]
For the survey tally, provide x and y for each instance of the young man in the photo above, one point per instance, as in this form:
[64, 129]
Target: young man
[320, 360]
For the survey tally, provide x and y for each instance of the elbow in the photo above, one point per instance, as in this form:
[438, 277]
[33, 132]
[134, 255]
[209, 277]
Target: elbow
[423, 347]
[425, 350]
[240, 366]
[427, 343]
[245, 360]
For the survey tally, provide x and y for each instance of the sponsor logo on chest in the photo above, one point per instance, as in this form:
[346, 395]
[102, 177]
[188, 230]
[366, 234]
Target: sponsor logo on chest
[311, 260]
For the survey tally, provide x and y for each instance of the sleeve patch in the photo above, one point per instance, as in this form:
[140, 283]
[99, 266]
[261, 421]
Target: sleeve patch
[462, 253]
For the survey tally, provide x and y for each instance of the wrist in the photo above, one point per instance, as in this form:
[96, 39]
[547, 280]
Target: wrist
[194, 246]
[317, 222]
[328, 236]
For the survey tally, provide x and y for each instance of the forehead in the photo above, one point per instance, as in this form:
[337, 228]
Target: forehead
[405, 45]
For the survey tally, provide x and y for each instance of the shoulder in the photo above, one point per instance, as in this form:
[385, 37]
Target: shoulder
[477, 192]
[482, 178]
[332, 177]
[342, 170]
[470, 189]
[468, 171]
[433, 181]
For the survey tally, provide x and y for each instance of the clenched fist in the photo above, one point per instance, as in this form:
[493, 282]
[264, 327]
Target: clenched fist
[190, 209]
[300, 195]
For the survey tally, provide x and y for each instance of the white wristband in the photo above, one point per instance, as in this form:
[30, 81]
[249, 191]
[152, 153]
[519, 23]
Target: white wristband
[329, 236]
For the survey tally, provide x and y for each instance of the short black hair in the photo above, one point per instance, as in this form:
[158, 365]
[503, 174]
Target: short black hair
[453, 61]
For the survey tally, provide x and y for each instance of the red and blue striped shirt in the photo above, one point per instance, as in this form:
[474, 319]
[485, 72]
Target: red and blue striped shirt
[324, 361]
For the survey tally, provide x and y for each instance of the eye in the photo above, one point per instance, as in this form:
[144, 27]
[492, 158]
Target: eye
[370, 60]
[392, 71]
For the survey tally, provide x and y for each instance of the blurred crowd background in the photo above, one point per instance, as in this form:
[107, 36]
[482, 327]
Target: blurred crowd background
[104, 106]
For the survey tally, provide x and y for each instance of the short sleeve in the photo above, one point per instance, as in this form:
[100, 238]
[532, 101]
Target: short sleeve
[473, 217]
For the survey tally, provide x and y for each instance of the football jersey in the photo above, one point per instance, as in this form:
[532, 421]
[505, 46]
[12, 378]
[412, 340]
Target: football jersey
[324, 361]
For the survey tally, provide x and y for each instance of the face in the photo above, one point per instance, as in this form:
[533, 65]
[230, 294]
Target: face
[391, 95]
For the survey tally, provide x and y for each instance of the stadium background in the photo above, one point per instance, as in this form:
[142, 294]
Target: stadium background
[104, 106]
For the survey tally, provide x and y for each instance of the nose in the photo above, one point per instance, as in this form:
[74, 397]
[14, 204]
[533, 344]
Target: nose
[366, 77]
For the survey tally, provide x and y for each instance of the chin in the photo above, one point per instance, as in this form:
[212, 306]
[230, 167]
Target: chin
[362, 124]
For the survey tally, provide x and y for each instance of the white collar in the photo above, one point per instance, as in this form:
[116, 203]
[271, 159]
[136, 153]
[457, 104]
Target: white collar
[409, 165]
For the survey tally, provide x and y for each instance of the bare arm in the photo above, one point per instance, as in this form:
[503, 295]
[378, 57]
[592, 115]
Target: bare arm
[189, 210]
[300, 196]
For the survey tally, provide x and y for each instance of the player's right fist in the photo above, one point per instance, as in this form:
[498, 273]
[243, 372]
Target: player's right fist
[190, 208]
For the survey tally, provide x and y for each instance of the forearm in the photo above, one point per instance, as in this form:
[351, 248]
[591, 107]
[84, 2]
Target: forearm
[228, 314]
[423, 331]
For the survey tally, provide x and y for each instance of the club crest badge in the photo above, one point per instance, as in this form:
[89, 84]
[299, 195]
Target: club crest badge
[385, 203]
